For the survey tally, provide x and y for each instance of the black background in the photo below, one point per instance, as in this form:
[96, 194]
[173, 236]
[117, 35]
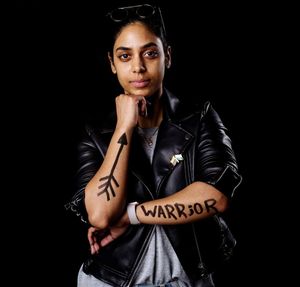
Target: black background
[59, 77]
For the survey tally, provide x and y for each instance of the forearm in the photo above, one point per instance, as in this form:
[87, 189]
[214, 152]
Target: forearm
[195, 202]
[105, 194]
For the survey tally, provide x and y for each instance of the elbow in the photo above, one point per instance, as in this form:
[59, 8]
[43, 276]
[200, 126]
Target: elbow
[217, 201]
[98, 221]
[222, 203]
[96, 216]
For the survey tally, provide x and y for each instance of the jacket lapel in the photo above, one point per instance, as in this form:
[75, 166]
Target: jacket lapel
[172, 140]
[139, 163]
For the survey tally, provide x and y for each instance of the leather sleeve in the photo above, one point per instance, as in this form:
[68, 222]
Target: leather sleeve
[216, 162]
[89, 161]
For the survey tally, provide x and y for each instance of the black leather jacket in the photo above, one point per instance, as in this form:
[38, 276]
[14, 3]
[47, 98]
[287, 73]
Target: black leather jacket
[202, 140]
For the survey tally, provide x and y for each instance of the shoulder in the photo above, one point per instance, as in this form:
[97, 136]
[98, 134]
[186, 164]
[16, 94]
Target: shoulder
[93, 128]
[195, 111]
[95, 135]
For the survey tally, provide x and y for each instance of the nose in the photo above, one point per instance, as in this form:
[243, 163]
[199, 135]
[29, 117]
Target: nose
[138, 65]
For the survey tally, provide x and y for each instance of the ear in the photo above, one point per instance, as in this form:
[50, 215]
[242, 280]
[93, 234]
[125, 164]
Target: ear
[112, 65]
[168, 57]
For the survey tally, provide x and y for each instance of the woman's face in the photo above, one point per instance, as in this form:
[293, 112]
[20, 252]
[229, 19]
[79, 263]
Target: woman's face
[139, 60]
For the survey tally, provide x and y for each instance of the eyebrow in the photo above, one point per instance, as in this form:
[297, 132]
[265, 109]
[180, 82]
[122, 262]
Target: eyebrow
[148, 45]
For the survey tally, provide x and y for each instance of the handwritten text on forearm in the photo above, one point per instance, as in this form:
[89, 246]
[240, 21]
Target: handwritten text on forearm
[179, 210]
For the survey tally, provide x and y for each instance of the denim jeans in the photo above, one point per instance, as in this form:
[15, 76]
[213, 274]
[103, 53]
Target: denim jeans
[172, 284]
[206, 282]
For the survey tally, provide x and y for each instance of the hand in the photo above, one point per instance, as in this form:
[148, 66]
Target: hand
[100, 238]
[129, 108]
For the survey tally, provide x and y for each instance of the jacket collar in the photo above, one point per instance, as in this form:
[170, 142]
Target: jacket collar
[171, 105]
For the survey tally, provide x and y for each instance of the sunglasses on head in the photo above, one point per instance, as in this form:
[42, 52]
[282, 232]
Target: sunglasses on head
[144, 11]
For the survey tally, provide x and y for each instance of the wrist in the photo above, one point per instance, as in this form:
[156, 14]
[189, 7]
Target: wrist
[131, 212]
[124, 129]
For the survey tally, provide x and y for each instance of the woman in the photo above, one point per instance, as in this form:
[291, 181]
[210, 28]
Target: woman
[153, 183]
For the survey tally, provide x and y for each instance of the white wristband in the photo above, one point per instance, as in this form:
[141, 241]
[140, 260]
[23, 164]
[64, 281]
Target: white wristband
[132, 213]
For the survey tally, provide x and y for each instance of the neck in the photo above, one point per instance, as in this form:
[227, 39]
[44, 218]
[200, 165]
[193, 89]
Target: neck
[154, 116]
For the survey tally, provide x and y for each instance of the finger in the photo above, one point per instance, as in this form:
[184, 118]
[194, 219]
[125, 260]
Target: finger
[90, 234]
[92, 249]
[96, 247]
[144, 107]
[106, 240]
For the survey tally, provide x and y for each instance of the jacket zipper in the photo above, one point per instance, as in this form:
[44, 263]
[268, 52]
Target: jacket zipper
[147, 241]
[190, 179]
[143, 251]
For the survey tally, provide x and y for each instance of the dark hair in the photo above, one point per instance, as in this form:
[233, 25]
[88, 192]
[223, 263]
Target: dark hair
[149, 15]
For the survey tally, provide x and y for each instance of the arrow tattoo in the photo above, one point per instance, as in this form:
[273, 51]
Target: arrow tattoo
[107, 186]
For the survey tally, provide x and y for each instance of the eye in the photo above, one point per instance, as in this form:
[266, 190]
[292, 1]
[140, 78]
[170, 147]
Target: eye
[124, 57]
[151, 54]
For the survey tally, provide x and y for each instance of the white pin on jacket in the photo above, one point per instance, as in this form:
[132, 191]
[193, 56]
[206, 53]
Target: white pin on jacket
[176, 158]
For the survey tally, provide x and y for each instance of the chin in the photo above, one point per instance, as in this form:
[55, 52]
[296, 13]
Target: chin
[141, 92]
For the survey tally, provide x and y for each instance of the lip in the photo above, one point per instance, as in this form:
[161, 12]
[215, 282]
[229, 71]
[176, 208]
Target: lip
[140, 83]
